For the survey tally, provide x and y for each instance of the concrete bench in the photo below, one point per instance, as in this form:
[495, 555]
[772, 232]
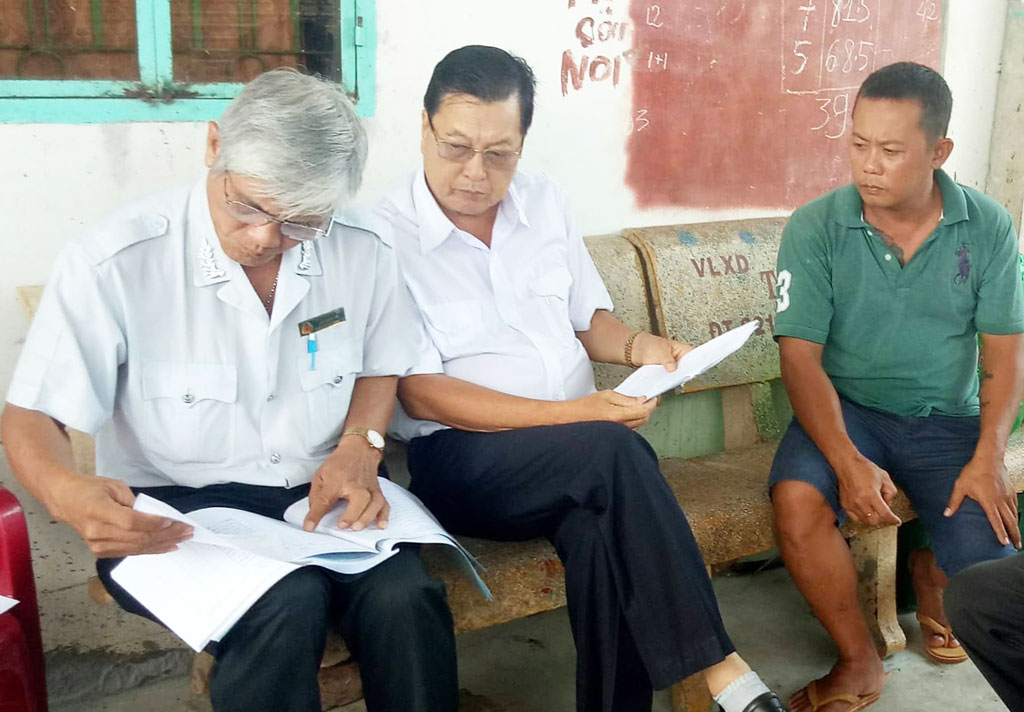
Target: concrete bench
[716, 439]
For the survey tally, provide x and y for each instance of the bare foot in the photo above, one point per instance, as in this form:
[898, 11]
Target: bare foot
[929, 583]
[859, 678]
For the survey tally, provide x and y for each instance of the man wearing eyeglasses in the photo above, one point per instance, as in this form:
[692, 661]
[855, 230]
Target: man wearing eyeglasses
[507, 437]
[231, 345]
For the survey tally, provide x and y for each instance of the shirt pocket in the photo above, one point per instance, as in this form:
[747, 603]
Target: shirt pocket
[455, 327]
[550, 293]
[327, 390]
[189, 411]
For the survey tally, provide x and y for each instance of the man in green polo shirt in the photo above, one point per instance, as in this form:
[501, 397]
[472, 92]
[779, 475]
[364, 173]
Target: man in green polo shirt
[883, 288]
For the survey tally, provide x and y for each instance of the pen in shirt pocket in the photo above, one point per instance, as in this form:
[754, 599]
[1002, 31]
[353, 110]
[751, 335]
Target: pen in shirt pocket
[309, 327]
[311, 348]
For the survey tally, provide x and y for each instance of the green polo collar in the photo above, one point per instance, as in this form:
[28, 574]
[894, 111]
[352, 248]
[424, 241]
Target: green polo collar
[849, 208]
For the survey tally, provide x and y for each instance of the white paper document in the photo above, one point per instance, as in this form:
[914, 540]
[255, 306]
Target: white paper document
[408, 520]
[652, 381]
[202, 589]
[7, 604]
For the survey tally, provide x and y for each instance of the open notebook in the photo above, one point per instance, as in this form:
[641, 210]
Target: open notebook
[202, 589]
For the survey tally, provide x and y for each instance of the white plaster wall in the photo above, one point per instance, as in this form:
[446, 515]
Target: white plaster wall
[54, 179]
[1006, 171]
[973, 49]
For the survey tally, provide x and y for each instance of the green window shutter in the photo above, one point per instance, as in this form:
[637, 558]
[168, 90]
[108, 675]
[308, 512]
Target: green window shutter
[157, 94]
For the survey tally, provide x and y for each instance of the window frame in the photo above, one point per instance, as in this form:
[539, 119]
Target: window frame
[157, 97]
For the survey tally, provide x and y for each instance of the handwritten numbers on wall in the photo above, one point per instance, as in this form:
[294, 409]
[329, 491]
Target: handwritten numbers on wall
[807, 10]
[797, 45]
[849, 55]
[928, 11]
[849, 11]
[657, 60]
[836, 110]
[654, 16]
[830, 47]
[638, 122]
[699, 72]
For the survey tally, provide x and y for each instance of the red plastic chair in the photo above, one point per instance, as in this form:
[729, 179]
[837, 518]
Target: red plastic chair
[22, 669]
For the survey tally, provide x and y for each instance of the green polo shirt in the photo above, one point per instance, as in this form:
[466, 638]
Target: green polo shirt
[901, 339]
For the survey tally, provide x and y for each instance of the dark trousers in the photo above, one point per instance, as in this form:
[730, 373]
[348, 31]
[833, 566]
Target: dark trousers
[642, 610]
[985, 606]
[924, 456]
[394, 619]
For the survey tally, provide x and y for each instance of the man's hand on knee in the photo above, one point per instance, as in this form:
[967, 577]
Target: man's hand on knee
[100, 510]
[866, 492]
[985, 482]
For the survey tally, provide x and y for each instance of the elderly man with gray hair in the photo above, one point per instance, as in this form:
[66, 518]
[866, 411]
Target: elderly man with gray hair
[237, 343]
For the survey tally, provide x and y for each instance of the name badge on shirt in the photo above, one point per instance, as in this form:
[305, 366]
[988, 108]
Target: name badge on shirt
[321, 321]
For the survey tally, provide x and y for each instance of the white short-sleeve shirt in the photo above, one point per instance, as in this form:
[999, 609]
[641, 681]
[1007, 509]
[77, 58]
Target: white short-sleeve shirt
[502, 317]
[150, 337]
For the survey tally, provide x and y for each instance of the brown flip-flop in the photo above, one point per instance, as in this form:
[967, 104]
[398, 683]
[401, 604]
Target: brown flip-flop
[946, 654]
[856, 702]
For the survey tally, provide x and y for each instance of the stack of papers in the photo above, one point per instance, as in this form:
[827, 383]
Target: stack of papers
[652, 381]
[202, 589]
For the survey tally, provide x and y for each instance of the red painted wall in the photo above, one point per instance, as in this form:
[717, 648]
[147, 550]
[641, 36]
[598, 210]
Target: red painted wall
[747, 103]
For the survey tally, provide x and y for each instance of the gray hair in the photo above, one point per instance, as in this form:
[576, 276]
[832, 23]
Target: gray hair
[297, 135]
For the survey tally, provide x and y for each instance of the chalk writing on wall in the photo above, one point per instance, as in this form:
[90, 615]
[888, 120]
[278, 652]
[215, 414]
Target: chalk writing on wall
[602, 47]
[742, 103]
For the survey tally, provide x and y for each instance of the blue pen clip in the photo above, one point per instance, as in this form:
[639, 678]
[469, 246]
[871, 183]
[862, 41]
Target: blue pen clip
[311, 348]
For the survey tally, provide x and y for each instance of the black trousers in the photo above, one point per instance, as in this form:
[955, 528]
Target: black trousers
[642, 610]
[394, 619]
[985, 606]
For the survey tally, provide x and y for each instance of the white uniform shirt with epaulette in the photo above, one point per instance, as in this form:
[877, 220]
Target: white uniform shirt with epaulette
[149, 337]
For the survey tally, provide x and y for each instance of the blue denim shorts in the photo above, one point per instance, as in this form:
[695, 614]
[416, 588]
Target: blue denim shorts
[924, 457]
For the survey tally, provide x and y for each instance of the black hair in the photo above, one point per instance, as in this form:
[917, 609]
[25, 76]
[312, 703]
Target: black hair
[909, 80]
[489, 74]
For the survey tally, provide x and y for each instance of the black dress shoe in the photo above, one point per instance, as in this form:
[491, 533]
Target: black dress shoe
[766, 702]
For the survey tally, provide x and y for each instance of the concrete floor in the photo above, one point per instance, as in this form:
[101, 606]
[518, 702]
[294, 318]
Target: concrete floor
[527, 665]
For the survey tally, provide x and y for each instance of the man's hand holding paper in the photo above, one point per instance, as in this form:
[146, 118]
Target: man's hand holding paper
[654, 379]
[651, 350]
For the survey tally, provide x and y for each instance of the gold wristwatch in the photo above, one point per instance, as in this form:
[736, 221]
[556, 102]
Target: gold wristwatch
[375, 439]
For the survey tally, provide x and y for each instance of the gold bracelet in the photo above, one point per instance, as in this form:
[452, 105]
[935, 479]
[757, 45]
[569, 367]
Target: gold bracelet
[628, 352]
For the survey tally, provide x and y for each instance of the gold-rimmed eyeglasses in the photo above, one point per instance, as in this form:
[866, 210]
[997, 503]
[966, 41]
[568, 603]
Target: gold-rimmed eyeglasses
[251, 215]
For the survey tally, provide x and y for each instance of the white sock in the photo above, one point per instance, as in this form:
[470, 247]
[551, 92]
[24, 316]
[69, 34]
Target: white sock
[741, 692]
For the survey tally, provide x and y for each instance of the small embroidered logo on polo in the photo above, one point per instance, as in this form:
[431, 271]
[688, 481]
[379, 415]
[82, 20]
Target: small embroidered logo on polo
[305, 256]
[963, 257]
[208, 262]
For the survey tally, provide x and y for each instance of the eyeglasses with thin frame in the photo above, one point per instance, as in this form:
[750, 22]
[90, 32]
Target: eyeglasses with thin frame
[461, 153]
[251, 215]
